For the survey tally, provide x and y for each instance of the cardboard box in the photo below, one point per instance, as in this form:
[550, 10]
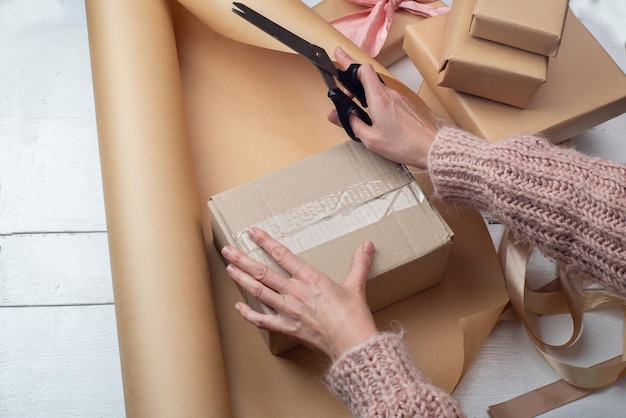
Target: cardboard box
[323, 207]
[484, 68]
[584, 87]
[531, 25]
[392, 49]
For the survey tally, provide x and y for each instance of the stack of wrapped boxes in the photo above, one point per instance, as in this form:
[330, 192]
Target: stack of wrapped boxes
[499, 68]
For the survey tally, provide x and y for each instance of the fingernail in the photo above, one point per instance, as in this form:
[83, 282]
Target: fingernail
[227, 251]
[368, 247]
[252, 232]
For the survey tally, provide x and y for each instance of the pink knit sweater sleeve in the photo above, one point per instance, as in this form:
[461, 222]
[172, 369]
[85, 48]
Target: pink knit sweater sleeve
[569, 205]
[380, 379]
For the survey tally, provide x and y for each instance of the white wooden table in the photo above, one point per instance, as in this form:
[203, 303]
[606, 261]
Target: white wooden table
[58, 342]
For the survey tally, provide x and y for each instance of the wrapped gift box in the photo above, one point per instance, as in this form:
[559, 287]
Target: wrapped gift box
[531, 25]
[484, 68]
[392, 49]
[584, 87]
[323, 207]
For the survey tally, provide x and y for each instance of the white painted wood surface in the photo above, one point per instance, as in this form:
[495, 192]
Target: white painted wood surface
[58, 343]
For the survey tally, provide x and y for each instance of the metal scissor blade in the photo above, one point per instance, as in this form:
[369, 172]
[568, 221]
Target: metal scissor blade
[313, 53]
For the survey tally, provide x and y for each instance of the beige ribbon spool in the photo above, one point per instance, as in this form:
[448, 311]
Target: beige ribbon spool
[560, 296]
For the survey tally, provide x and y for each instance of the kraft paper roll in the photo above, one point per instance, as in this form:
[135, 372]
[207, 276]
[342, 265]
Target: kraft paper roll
[192, 100]
[169, 345]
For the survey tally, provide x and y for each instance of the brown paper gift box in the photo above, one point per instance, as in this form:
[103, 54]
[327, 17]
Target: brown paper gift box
[584, 87]
[531, 25]
[191, 101]
[484, 68]
[392, 50]
[323, 207]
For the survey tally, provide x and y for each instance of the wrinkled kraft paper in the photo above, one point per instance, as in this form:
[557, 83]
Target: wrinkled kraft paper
[191, 100]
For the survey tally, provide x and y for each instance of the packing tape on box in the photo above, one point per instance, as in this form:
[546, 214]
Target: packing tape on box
[332, 216]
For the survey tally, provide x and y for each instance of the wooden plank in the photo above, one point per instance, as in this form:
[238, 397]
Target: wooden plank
[606, 140]
[50, 176]
[55, 269]
[45, 62]
[60, 362]
[49, 164]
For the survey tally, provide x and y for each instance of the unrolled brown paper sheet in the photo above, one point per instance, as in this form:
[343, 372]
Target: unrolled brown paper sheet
[192, 100]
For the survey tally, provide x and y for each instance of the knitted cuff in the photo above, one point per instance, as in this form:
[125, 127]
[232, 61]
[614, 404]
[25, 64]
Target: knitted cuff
[569, 205]
[455, 163]
[380, 379]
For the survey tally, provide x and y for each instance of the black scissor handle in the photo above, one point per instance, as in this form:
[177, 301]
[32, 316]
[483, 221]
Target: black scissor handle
[345, 107]
[351, 81]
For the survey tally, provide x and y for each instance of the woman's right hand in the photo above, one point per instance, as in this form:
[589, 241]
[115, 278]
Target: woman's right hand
[398, 132]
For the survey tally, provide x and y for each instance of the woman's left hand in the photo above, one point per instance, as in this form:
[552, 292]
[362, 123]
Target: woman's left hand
[327, 316]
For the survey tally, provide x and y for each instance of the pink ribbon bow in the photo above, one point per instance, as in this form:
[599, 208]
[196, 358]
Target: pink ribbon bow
[369, 28]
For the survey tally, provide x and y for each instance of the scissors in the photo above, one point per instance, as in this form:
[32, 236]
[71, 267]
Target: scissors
[317, 56]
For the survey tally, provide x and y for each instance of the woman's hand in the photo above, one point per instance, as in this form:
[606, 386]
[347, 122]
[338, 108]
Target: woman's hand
[398, 132]
[327, 316]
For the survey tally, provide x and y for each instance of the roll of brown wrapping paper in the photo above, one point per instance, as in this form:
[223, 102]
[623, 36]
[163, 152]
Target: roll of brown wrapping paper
[169, 345]
[192, 100]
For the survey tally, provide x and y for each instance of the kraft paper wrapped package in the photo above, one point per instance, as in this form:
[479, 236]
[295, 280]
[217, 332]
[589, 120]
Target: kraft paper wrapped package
[531, 25]
[191, 101]
[484, 68]
[584, 87]
[391, 50]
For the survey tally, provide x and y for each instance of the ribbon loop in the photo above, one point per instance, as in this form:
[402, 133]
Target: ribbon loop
[573, 299]
[369, 28]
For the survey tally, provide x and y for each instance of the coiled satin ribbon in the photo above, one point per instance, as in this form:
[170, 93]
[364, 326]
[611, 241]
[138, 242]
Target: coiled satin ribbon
[564, 295]
[369, 28]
